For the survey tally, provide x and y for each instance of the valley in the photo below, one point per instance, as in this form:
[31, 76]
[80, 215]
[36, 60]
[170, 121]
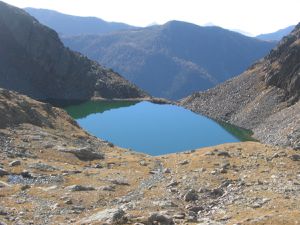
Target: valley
[111, 153]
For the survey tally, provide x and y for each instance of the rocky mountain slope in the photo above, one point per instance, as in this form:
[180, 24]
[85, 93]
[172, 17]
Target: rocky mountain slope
[68, 25]
[264, 99]
[34, 61]
[52, 172]
[277, 35]
[175, 59]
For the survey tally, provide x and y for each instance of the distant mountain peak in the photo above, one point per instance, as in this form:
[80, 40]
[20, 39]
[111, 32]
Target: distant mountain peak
[69, 25]
[277, 35]
[174, 59]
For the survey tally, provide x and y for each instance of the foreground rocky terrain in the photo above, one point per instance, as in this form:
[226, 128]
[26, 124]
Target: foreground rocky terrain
[264, 99]
[33, 61]
[53, 172]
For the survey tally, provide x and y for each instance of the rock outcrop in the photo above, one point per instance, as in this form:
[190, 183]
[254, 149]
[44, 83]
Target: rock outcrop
[33, 61]
[264, 99]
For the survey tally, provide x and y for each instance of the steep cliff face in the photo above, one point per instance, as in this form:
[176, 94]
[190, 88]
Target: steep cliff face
[34, 61]
[283, 67]
[264, 99]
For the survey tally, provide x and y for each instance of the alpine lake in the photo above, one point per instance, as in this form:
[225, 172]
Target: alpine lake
[154, 129]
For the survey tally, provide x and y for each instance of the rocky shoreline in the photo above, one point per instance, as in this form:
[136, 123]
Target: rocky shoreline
[264, 99]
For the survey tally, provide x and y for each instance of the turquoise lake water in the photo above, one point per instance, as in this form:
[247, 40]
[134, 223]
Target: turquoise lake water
[151, 128]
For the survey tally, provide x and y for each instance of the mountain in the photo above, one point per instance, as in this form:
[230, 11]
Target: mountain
[68, 25]
[277, 35]
[175, 59]
[265, 98]
[33, 61]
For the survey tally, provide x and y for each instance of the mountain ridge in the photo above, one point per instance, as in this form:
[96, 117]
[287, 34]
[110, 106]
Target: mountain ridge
[174, 59]
[70, 25]
[277, 35]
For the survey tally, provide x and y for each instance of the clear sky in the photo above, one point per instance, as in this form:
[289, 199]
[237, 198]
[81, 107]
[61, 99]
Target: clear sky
[253, 16]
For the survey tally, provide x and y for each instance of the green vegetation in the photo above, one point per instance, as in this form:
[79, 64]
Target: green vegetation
[240, 133]
[92, 107]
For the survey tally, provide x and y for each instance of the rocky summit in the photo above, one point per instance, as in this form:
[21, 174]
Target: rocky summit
[264, 99]
[53, 172]
[33, 61]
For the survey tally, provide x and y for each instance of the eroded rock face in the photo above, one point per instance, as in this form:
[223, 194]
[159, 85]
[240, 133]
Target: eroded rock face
[286, 73]
[265, 98]
[33, 61]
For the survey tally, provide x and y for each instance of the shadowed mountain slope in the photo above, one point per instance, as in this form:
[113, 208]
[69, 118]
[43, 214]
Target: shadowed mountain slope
[175, 59]
[34, 61]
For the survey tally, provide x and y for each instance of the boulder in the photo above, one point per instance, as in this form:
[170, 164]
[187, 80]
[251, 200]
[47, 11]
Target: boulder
[80, 188]
[15, 163]
[110, 216]
[191, 195]
[160, 219]
[84, 154]
[3, 172]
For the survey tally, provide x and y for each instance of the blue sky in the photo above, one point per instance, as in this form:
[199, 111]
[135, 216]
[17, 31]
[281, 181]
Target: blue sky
[253, 16]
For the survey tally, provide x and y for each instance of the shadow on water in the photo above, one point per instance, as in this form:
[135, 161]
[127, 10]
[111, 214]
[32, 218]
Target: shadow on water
[82, 110]
[240, 133]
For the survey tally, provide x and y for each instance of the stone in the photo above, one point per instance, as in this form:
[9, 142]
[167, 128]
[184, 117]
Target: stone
[15, 163]
[191, 195]
[173, 183]
[42, 167]
[184, 162]
[179, 216]
[68, 202]
[192, 216]
[98, 166]
[84, 154]
[165, 204]
[110, 216]
[3, 211]
[80, 188]
[295, 157]
[3, 172]
[120, 182]
[195, 208]
[143, 163]
[25, 187]
[217, 192]
[26, 174]
[160, 219]
[258, 203]
[167, 170]
[108, 188]
[223, 153]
